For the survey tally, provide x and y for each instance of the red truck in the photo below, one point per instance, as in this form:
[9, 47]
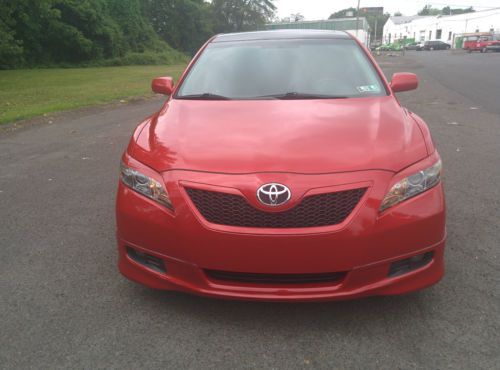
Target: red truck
[482, 42]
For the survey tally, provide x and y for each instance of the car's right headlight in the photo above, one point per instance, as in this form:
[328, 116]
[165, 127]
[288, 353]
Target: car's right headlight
[144, 185]
[412, 185]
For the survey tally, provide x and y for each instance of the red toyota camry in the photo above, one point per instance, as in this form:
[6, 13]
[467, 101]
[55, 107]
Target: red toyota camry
[282, 167]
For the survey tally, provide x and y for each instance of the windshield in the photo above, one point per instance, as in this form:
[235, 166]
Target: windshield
[289, 69]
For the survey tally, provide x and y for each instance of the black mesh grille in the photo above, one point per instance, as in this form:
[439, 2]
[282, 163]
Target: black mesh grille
[249, 277]
[315, 210]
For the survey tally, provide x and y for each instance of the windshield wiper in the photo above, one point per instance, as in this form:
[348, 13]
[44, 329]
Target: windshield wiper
[204, 96]
[297, 95]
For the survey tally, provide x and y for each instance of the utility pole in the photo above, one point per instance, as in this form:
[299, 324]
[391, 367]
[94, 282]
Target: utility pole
[357, 19]
[375, 33]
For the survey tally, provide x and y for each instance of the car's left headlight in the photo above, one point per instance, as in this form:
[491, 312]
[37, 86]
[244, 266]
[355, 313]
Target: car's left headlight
[412, 185]
[144, 185]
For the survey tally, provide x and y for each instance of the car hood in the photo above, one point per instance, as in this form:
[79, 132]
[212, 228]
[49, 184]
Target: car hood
[301, 136]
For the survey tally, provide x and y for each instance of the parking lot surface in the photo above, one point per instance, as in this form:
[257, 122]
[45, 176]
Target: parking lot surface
[64, 304]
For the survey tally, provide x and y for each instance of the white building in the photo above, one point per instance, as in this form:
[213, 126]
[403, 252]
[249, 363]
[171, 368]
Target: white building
[444, 28]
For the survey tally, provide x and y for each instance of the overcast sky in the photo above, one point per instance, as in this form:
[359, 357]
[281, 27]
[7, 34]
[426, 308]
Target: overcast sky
[321, 9]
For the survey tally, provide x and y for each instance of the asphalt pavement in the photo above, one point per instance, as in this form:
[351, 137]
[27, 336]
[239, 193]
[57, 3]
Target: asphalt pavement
[474, 75]
[63, 303]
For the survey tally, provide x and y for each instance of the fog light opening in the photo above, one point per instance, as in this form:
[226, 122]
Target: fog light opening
[147, 260]
[402, 267]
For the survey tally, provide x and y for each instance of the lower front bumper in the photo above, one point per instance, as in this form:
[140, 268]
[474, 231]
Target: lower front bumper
[363, 281]
[360, 249]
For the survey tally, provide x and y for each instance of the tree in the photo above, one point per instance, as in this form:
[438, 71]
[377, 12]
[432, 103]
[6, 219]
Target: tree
[25, 27]
[83, 30]
[11, 49]
[47, 32]
[241, 15]
[429, 10]
[184, 24]
[374, 20]
[138, 33]
[296, 17]
[398, 14]
[65, 32]
[343, 13]
[448, 11]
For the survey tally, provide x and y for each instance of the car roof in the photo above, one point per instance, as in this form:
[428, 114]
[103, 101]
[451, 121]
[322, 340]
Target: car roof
[281, 34]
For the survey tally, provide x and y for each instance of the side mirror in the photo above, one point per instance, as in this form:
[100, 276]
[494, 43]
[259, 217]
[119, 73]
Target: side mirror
[404, 82]
[163, 85]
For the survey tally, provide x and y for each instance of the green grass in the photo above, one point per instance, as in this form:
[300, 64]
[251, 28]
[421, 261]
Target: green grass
[34, 92]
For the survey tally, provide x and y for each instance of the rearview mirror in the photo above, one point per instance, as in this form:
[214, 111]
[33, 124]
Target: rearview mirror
[404, 81]
[163, 85]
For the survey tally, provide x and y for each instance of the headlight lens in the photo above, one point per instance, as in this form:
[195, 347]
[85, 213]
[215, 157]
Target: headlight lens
[412, 185]
[144, 185]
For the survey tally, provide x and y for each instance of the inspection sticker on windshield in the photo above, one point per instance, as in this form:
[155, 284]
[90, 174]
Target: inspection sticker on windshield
[368, 88]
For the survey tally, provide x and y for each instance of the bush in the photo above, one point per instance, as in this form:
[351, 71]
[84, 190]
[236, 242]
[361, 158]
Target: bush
[147, 58]
[168, 57]
[61, 33]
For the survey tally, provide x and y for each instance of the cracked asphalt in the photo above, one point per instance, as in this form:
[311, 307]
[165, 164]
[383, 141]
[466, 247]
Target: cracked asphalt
[64, 305]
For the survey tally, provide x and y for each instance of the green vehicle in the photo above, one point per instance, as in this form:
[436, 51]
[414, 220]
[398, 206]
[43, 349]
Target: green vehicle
[389, 47]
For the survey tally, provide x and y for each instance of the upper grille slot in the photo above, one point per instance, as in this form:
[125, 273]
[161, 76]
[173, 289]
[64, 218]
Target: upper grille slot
[313, 211]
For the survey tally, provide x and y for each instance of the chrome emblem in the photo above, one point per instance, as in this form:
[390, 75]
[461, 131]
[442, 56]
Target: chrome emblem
[273, 194]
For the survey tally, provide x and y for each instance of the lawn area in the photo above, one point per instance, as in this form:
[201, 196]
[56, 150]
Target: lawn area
[34, 92]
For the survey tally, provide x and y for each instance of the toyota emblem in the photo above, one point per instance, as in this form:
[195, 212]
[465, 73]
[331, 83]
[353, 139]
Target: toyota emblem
[273, 194]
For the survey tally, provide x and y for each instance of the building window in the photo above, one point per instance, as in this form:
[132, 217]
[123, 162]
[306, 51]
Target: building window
[430, 35]
[438, 34]
[449, 35]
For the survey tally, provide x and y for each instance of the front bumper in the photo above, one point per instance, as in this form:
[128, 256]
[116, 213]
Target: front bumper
[493, 48]
[363, 246]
